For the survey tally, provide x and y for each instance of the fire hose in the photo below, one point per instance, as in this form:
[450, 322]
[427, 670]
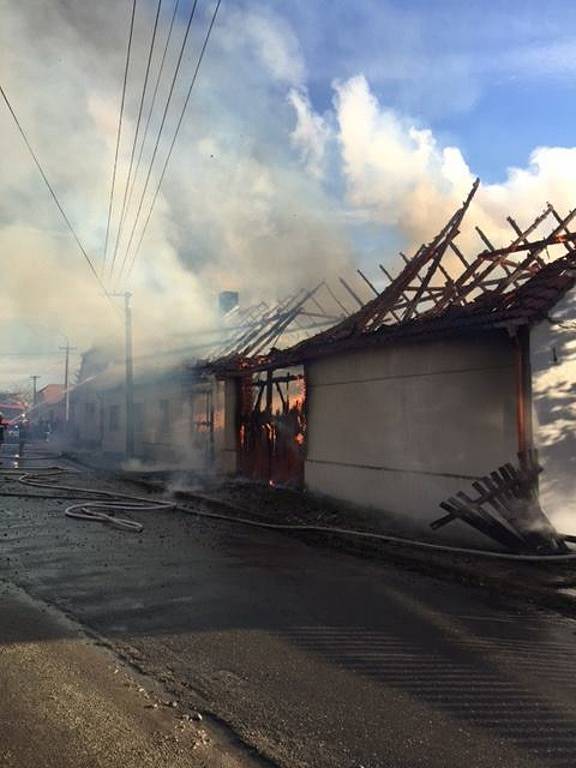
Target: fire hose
[105, 507]
[107, 504]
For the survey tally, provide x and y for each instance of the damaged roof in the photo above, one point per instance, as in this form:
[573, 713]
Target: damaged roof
[498, 287]
[525, 305]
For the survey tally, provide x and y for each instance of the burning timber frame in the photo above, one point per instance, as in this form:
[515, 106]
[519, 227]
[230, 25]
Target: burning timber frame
[490, 300]
[427, 288]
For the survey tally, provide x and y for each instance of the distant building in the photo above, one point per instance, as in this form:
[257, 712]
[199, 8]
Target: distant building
[50, 407]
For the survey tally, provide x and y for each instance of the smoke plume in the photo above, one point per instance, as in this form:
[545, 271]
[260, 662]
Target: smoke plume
[265, 193]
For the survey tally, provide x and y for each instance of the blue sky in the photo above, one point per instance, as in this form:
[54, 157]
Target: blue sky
[322, 135]
[496, 78]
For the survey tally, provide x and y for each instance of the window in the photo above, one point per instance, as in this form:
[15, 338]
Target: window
[114, 418]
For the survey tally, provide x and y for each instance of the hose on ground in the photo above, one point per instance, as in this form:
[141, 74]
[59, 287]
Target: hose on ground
[105, 507]
[384, 537]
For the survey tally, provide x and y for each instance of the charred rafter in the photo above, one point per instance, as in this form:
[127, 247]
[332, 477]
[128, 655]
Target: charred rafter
[439, 277]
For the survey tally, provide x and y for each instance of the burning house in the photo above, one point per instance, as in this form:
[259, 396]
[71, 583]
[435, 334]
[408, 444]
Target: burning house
[447, 373]
[462, 363]
[184, 415]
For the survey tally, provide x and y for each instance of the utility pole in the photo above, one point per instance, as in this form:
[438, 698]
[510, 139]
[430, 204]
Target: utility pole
[67, 349]
[129, 374]
[34, 395]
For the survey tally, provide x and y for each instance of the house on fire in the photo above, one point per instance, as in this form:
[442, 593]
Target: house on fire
[462, 363]
[185, 417]
[448, 373]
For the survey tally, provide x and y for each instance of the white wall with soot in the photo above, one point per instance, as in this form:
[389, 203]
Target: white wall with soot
[170, 422]
[225, 441]
[401, 427]
[553, 362]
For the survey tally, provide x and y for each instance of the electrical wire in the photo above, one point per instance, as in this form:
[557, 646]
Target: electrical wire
[53, 193]
[167, 160]
[160, 130]
[153, 102]
[119, 132]
[136, 134]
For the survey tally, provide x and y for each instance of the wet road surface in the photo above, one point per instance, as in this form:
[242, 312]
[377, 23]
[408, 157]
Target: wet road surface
[313, 657]
[67, 703]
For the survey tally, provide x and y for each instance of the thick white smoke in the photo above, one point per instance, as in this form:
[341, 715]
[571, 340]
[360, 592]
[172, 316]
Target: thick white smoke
[235, 212]
[265, 194]
[398, 175]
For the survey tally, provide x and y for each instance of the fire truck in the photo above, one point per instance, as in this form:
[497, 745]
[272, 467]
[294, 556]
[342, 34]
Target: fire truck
[12, 413]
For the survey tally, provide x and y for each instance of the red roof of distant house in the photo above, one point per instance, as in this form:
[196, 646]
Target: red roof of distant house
[50, 394]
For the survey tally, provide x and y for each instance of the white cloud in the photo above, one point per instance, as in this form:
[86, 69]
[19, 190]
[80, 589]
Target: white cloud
[270, 38]
[235, 210]
[311, 133]
[397, 174]
[394, 171]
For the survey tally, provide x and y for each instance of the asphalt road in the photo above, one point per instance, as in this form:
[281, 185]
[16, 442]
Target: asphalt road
[65, 702]
[312, 657]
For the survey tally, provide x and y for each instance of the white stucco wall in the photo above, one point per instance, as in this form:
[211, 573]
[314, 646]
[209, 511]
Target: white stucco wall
[85, 418]
[225, 439]
[113, 440]
[553, 361]
[399, 428]
[165, 423]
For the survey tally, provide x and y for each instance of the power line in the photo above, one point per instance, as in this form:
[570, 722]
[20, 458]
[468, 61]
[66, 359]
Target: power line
[51, 190]
[136, 133]
[167, 160]
[4, 353]
[166, 107]
[178, 126]
[153, 102]
[110, 204]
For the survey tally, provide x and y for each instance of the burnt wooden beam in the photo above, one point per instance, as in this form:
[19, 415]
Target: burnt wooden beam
[506, 508]
[389, 276]
[440, 247]
[504, 263]
[367, 281]
[352, 293]
[459, 253]
[471, 279]
[558, 218]
[555, 238]
[535, 248]
[337, 300]
[375, 311]
[521, 236]
[484, 239]
[279, 326]
[279, 390]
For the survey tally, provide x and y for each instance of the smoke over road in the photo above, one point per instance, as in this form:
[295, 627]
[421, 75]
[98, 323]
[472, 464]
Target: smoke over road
[265, 193]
